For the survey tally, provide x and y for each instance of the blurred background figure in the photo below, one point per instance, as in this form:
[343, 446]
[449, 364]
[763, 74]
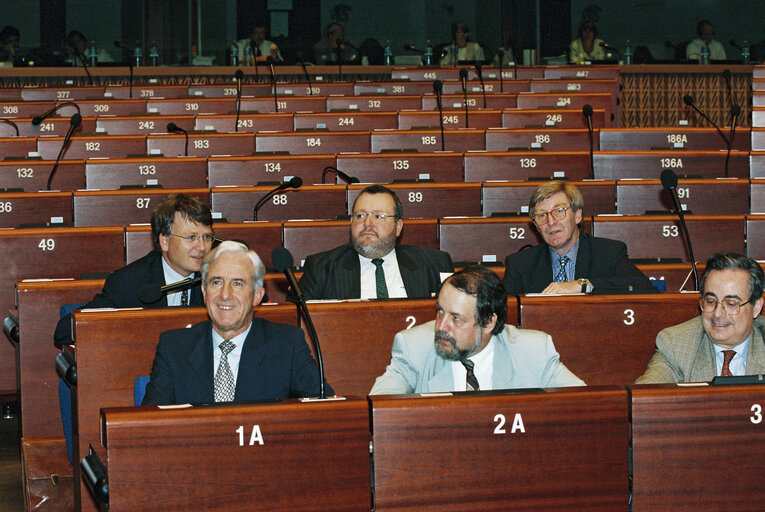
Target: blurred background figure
[331, 44]
[706, 33]
[9, 45]
[586, 47]
[509, 56]
[76, 50]
[260, 47]
[465, 49]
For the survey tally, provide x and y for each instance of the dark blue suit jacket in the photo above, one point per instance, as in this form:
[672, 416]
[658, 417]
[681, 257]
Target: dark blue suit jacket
[121, 290]
[275, 363]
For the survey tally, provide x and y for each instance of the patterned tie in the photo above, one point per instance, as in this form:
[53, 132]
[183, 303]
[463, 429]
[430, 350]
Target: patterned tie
[725, 372]
[224, 379]
[561, 275]
[185, 297]
[470, 380]
[382, 288]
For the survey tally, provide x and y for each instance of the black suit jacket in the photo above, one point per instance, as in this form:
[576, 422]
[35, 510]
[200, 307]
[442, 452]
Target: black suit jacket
[121, 290]
[275, 363]
[336, 274]
[601, 260]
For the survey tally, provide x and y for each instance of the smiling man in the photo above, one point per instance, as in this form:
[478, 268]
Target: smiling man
[569, 261]
[232, 356]
[727, 339]
[468, 347]
[372, 265]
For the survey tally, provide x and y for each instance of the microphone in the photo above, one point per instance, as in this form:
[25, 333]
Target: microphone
[270, 62]
[734, 44]
[121, 46]
[174, 128]
[669, 181]
[438, 87]
[283, 262]
[151, 293]
[339, 51]
[609, 48]
[726, 76]
[346, 178]
[74, 122]
[8, 121]
[295, 182]
[39, 119]
[85, 66]
[305, 72]
[479, 72]
[688, 99]
[501, 55]
[463, 77]
[238, 75]
[412, 48]
[587, 112]
[735, 111]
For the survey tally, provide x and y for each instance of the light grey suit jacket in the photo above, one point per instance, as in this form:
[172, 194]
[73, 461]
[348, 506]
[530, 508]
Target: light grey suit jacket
[522, 359]
[684, 353]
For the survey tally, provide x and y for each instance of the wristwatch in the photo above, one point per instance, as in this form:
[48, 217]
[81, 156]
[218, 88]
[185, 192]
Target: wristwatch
[585, 284]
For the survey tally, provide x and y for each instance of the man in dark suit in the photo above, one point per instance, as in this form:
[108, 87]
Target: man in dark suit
[181, 227]
[373, 265]
[232, 356]
[569, 261]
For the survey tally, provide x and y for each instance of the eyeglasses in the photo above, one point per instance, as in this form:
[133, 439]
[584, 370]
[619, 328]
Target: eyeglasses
[206, 238]
[540, 218]
[730, 306]
[375, 216]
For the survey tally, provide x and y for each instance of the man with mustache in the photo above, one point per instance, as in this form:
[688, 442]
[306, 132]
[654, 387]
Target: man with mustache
[468, 347]
[727, 338]
[372, 265]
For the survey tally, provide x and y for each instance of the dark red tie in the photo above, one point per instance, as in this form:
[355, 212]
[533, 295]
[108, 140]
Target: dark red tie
[725, 372]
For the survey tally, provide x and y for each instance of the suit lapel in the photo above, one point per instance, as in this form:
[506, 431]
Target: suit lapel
[442, 379]
[412, 279]
[251, 378]
[348, 278]
[703, 366]
[583, 258]
[158, 277]
[542, 274]
[755, 359]
[504, 367]
[201, 361]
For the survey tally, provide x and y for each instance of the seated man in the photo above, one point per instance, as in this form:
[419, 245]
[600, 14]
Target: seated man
[372, 265]
[261, 47]
[232, 356]
[706, 33]
[182, 229]
[472, 348]
[569, 261]
[726, 339]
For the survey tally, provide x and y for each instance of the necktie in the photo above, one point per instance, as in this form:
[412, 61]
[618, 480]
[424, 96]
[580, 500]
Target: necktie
[382, 288]
[725, 372]
[560, 277]
[224, 379]
[185, 298]
[470, 380]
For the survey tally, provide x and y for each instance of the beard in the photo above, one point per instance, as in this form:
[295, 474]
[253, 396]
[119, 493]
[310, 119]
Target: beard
[455, 354]
[374, 249]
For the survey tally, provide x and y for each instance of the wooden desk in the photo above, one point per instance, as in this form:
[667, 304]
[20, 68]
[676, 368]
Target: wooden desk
[578, 84]
[615, 165]
[181, 106]
[551, 118]
[32, 175]
[147, 90]
[606, 339]
[250, 170]
[599, 197]
[38, 313]
[432, 199]
[313, 143]
[556, 139]
[454, 119]
[427, 141]
[248, 123]
[645, 139]
[474, 101]
[524, 165]
[142, 125]
[201, 144]
[107, 106]
[307, 202]
[482, 239]
[312, 457]
[490, 86]
[12, 109]
[705, 197]
[345, 122]
[597, 100]
[424, 443]
[567, 72]
[289, 104]
[393, 87]
[755, 236]
[697, 449]
[441, 167]
[53, 125]
[315, 89]
[18, 208]
[105, 341]
[123, 207]
[373, 103]
[168, 172]
[18, 148]
[92, 146]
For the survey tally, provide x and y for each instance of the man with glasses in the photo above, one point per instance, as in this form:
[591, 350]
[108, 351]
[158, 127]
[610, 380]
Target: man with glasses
[569, 261]
[372, 265]
[726, 339]
[181, 227]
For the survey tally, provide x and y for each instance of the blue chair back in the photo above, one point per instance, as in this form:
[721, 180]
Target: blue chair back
[139, 389]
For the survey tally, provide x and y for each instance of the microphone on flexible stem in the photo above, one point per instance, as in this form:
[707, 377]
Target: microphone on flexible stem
[438, 87]
[339, 51]
[85, 66]
[152, 293]
[412, 48]
[121, 46]
[735, 111]
[305, 72]
[270, 62]
[734, 44]
[294, 182]
[463, 77]
[345, 177]
[174, 128]
[74, 122]
[726, 76]
[669, 181]
[283, 262]
[610, 48]
[39, 119]
[238, 75]
[501, 55]
[688, 99]
[479, 72]
[8, 121]
[587, 111]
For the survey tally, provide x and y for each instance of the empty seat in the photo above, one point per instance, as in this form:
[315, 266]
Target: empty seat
[308, 202]
[18, 208]
[31, 175]
[710, 197]
[615, 165]
[92, 146]
[372, 103]
[249, 123]
[146, 124]
[201, 144]
[441, 167]
[170, 172]
[503, 139]
[479, 239]
[551, 118]
[432, 199]
[474, 101]
[697, 139]
[344, 121]
[122, 207]
[453, 119]
[313, 143]
[285, 103]
[146, 91]
[427, 140]
[251, 170]
[524, 165]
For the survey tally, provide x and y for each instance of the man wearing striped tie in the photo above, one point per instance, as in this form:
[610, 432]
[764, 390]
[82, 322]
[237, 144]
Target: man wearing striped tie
[727, 338]
[468, 347]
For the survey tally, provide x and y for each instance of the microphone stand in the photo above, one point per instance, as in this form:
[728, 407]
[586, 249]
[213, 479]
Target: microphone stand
[174, 128]
[238, 75]
[438, 87]
[295, 182]
[688, 99]
[85, 66]
[501, 55]
[74, 122]
[307, 76]
[343, 176]
[8, 121]
[270, 61]
[735, 111]
[587, 111]
[463, 76]
[479, 72]
[669, 181]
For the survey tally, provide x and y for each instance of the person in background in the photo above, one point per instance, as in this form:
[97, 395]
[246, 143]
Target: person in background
[466, 49]
[331, 44]
[261, 47]
[586, 47]
[9, 45]
[76, 50]
[706, 33]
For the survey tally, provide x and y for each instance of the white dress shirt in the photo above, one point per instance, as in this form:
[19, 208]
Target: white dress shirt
[393, 280]
[171, 276]
[483, 369]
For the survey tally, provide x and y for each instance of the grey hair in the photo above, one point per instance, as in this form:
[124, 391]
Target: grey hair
[259, 272]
